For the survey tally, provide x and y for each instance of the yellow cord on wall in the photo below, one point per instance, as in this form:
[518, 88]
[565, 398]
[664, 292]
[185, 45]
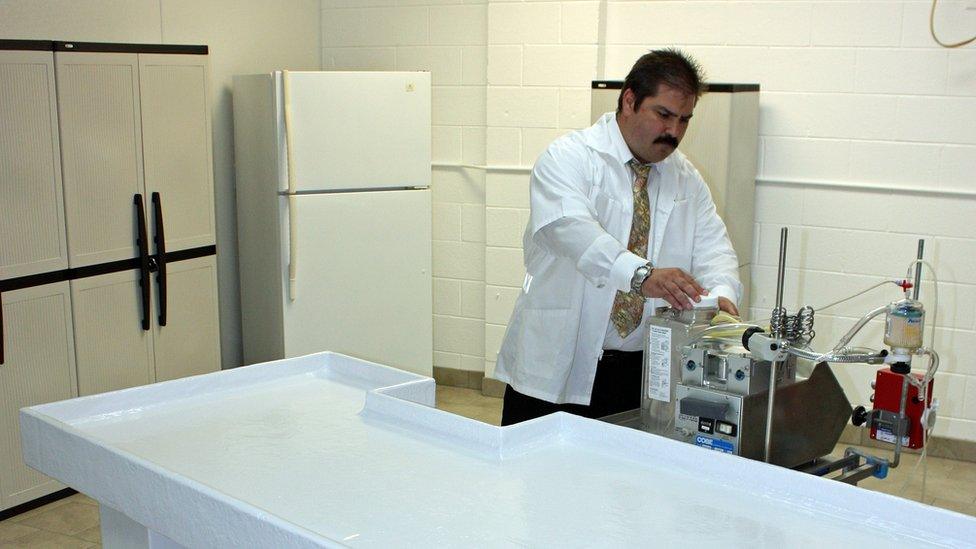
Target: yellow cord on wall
[936, 38]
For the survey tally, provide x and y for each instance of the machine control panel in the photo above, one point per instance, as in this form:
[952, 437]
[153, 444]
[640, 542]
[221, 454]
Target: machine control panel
[725, 428]
[708, 418]
[716, 426]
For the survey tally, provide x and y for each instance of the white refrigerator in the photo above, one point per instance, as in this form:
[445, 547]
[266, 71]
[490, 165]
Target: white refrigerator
[334, 215]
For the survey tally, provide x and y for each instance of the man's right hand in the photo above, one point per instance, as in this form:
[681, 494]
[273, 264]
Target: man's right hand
[675, 286]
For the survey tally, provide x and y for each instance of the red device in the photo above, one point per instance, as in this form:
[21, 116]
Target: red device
[887, 396]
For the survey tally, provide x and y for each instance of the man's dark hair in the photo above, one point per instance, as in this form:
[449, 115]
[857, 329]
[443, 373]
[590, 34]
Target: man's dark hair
[669, 66]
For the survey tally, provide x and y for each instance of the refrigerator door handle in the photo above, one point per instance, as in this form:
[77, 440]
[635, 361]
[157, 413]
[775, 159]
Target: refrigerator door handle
[292, 203]
[292, 247]
[1, 328]
[144, 263]
[160, 239]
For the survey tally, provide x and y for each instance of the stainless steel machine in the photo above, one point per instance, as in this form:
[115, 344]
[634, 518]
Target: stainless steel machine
[733, 387]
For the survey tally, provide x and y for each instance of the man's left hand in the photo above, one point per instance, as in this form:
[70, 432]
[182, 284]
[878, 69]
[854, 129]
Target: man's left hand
[725, 304]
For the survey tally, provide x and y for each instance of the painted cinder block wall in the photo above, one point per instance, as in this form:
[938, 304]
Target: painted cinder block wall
[449, 40]
[867, 132]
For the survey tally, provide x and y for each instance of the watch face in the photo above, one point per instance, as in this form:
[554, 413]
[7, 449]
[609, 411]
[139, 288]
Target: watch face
[639, 276]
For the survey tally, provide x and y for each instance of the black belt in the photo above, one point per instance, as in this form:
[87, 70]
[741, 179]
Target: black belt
[610, 355]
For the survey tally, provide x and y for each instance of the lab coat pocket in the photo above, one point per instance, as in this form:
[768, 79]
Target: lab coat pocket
[608, 211]
[679, 237]
[680, 227]
[542, 339]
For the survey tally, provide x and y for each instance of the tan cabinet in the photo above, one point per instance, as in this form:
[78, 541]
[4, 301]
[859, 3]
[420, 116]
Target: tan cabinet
[107, 256]
[176, 145]
[31, 206]
[138, 125]
[37, 362]
[38, 367]
[187, 345]
[101, 150]
[113, 351]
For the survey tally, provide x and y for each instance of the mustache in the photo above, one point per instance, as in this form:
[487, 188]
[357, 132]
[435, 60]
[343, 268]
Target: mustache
[667, 140]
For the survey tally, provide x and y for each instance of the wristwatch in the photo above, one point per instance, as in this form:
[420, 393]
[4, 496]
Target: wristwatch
[641, 274]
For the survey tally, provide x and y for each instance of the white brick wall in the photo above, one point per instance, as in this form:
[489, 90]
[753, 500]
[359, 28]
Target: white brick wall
[867, 128]
[448, 38]
[459, 267]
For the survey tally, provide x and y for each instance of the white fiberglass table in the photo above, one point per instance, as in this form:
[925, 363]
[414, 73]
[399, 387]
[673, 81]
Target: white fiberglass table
[326, 450]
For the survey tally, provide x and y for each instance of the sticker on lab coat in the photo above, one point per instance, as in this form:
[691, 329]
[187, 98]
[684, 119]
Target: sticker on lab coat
[659, 375]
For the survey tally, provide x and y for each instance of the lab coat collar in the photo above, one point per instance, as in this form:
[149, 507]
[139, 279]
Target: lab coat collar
[605, 137]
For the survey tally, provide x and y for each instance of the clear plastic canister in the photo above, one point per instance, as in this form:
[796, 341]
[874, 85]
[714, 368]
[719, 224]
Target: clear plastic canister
[903, 324]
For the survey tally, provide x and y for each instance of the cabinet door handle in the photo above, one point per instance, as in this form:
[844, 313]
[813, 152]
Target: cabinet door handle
[160, 239]
[143, 259]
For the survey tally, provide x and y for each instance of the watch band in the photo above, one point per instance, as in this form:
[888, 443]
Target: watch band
[641, 274]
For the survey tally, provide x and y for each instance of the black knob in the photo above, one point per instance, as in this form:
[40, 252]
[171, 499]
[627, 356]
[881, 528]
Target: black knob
[749, 333]
[859, 417]
[901, 368]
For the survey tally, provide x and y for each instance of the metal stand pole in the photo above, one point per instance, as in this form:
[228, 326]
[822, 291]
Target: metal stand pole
[918, 270]
[900, 430]
[779, 333]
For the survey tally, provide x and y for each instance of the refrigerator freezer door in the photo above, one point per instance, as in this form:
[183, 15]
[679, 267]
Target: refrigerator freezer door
[363, 278]
[356, 130]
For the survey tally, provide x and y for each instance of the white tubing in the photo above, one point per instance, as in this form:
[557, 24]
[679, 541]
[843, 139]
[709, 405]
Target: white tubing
[857, 328]
[292, 203]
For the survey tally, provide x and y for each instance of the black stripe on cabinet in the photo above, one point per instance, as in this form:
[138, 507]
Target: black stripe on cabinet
[191, 253]
[730, 88]
[106, 47]
[713, 87]
[76, 273]
[33, 45]
[53, 45]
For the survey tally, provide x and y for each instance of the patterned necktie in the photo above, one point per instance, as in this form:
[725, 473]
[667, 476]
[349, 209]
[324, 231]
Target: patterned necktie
[628, 307]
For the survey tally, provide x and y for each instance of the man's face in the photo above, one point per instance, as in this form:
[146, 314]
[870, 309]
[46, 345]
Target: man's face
[654, 130]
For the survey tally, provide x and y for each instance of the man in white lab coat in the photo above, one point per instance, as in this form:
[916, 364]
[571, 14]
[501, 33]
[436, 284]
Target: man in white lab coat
[621, 223]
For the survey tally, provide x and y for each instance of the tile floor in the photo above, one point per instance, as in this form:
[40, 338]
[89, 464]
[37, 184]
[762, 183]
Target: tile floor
[73, 522]
[69, 523]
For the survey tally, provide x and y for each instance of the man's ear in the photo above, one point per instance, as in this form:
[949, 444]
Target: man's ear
[628, 100]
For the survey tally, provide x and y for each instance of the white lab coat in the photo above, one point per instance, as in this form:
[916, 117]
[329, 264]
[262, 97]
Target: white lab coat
[555, 336]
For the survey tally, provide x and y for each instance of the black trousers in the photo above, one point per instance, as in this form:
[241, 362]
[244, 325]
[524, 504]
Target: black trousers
[616, 388]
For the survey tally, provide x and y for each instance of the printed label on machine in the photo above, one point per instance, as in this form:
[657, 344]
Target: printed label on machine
[884, 435]
[714, 444]
[659, 372]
